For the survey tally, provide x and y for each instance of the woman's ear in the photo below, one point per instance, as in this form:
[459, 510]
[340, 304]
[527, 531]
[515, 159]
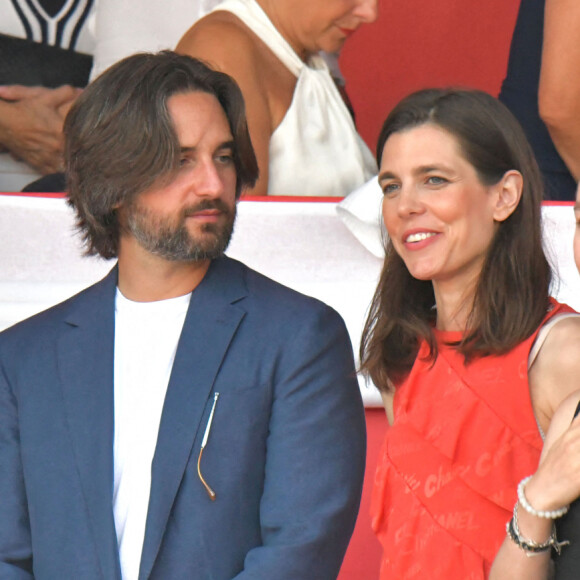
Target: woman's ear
[508, 192]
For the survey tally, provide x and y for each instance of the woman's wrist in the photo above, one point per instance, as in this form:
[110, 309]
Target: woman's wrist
[528, 543]
[530, 501]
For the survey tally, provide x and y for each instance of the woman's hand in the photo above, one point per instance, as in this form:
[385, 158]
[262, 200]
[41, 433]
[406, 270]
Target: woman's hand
[556, 483]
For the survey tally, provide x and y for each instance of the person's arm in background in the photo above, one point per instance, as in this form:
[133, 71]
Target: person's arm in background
[559, 91]
[31, 120]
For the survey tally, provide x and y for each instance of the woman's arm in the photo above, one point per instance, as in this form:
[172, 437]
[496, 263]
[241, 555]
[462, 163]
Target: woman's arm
[226, 45]
[555, 373]
[559, 91]
[555, 484]
[554, 387]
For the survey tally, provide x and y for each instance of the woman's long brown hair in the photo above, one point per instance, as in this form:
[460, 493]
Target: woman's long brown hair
[512, 293]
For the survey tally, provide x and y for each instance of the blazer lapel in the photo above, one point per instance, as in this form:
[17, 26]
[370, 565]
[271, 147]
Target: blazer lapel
[85, 358]
[210, 324]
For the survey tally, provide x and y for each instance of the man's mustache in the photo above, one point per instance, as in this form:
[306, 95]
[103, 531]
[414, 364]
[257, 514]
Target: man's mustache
[206, 204]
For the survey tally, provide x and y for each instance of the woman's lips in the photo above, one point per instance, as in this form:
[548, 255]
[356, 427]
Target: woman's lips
[347, 31]
[418, 239]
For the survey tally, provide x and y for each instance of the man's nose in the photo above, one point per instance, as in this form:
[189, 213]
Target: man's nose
[209, 181]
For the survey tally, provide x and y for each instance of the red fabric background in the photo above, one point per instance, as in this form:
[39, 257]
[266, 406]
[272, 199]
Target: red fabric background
[425, 43]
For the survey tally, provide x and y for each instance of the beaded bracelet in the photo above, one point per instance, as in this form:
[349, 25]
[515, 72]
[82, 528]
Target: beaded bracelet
[549, 514]
[531, 547]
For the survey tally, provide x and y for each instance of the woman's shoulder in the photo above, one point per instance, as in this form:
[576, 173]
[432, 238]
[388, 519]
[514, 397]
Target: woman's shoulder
[562, 344]
[220, 38]
[555, 372]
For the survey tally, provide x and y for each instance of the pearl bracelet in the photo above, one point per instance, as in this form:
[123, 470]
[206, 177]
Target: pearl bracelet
[548, 514]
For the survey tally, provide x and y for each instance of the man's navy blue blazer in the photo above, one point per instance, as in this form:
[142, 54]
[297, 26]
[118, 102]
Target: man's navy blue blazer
[285, 455]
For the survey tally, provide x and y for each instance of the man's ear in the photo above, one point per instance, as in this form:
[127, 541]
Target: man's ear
[120, 212]
[508, 192]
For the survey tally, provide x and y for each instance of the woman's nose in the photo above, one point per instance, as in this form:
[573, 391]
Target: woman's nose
[367, 10]
[409, 202]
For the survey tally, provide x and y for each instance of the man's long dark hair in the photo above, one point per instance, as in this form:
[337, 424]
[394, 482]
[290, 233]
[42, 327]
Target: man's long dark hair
[120, 139]
[512, 293]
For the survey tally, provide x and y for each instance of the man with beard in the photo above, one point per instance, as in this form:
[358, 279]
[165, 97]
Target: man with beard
[185, 417]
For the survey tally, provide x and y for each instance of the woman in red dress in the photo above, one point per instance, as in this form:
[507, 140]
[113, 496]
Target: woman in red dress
[454, 337]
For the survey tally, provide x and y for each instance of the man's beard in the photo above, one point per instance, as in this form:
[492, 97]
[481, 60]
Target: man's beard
[173, 241]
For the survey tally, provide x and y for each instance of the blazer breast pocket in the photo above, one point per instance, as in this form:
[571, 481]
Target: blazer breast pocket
[230, 447]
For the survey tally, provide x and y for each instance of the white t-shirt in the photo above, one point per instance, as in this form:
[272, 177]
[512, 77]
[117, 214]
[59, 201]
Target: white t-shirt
[146, 337]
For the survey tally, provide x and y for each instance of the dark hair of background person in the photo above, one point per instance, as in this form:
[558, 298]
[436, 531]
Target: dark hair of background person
[512, 293]
[120, 139]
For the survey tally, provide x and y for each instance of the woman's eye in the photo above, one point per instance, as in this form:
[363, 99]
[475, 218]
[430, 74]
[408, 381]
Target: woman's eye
[436, 180]
[390, 188]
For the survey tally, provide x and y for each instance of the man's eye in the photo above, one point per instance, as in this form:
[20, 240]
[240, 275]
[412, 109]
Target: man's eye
[225, 159]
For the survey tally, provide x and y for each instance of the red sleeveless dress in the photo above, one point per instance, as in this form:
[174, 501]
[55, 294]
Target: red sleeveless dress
[462, 439]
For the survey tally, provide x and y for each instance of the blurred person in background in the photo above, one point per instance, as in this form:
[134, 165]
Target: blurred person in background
[542, 89]
[303, 133]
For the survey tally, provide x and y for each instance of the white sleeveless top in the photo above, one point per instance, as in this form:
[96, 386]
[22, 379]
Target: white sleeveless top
[315, 151]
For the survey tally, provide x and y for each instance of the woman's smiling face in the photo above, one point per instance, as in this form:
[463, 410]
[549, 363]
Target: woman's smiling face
[439, 216]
